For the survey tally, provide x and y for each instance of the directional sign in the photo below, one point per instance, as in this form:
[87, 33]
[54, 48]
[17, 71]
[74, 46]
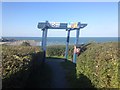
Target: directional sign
[54, 24]
[73, 25]
[57, 25]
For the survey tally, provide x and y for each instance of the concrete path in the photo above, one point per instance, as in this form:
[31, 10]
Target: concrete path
[58, 79]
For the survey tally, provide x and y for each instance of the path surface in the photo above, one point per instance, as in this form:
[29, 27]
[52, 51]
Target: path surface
[58, 78]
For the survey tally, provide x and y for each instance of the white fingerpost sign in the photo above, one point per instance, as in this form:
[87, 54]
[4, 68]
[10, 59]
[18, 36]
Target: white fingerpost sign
[54, 24]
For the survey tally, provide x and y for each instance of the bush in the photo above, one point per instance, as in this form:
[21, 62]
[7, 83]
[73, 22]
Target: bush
[58, 50]
[16, 64]
[100, 64]
[25, 44]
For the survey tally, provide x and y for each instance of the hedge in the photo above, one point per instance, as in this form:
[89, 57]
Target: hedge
[100, 64]
[16, 64]
[58, 50]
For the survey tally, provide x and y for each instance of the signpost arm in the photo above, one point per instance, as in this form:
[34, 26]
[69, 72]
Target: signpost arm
[76, 43]
[67, 43]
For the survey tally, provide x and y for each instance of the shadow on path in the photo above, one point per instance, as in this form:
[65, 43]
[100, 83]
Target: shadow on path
[55, 73]
[64, 75]
[58, 73]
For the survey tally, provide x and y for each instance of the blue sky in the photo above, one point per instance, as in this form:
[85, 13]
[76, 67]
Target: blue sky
[21, 18]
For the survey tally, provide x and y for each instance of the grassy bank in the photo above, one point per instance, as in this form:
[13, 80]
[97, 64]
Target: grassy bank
[97, 66]
[59, 51]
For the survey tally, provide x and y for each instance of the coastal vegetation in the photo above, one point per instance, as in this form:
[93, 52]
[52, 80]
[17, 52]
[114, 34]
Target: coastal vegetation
[18, 65]
[97, 65]
[59, 51]
[99, 62]
[25, 44]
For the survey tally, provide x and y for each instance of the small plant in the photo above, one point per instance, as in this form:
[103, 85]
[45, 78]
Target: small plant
[25, 44]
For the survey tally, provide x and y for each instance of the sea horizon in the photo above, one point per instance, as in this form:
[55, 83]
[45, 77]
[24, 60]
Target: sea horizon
[62, 40]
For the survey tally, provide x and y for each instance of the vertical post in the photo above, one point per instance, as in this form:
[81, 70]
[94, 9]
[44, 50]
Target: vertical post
[67, 43]
[43, 34]
[44, 44]
[44, 39]
[76, 43]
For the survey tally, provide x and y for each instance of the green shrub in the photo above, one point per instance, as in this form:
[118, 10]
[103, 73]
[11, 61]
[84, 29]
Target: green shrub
[16, 64]
[58, 50]
[100, 64]
[25, 44]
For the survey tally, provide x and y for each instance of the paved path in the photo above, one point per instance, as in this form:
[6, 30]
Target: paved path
[58, 79]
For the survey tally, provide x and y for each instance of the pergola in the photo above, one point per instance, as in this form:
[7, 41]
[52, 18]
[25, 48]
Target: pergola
[44, 26]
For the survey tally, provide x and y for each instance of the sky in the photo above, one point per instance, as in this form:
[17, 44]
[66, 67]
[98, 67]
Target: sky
[20, 19]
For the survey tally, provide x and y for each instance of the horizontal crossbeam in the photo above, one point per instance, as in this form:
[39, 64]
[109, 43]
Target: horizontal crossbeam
[57, 25]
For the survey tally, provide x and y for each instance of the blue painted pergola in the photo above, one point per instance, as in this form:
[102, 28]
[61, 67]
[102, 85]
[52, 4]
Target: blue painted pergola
[44, 26]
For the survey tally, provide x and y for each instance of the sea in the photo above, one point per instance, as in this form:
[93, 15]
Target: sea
[62, 40]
